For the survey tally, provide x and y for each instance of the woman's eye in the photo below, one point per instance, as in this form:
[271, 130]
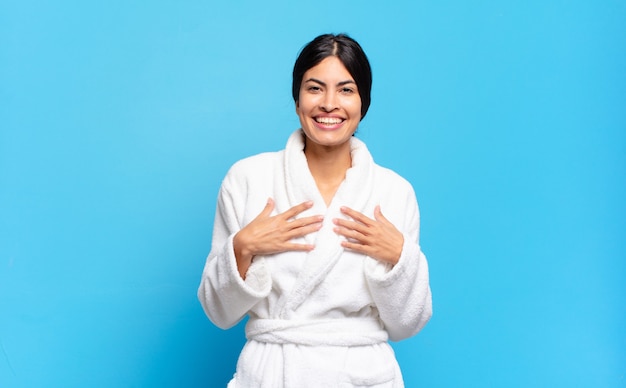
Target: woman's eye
[313, 88]
[347, 90]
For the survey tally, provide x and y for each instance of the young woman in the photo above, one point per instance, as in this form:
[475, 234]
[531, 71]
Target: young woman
[317, 244]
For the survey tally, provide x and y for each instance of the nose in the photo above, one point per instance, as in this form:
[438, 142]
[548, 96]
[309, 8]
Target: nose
[329, 102]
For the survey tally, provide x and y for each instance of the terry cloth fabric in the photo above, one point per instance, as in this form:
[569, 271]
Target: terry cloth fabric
[319, 318]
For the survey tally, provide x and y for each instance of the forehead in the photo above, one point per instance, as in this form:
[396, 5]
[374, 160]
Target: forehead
[330, 68]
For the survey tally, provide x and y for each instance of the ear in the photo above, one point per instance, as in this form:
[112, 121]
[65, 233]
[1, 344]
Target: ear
[297, 105]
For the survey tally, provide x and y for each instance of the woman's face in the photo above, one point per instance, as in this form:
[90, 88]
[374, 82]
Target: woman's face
[329, 104]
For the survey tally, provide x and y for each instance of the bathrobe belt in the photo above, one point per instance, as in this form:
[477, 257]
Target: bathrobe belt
[317, 332]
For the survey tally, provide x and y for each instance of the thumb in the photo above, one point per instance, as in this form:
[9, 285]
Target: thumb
[269, 207]
[378, 214]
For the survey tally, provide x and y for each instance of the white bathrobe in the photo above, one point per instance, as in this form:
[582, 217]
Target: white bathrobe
[320, 318]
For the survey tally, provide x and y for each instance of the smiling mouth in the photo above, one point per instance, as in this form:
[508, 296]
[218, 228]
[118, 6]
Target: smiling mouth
[329, 120]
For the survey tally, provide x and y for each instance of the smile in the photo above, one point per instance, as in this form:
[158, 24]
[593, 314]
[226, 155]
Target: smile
[329, 120]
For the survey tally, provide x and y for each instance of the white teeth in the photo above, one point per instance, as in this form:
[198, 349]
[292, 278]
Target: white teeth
[328, 120]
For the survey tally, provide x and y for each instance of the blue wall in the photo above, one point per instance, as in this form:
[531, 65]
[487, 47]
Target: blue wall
[119, 119]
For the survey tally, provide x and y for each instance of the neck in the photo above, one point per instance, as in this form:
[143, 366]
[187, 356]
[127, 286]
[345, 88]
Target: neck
[328, 166]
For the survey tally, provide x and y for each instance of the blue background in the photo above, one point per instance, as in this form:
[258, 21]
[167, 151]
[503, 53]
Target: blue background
[119, 119]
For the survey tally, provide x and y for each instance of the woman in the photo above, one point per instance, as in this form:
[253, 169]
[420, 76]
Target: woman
[301, 245]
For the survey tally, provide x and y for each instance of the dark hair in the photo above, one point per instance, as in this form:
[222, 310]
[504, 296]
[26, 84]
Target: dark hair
[349, 53]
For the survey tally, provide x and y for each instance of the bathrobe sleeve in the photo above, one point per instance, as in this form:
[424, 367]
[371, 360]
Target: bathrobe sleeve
[402, 292]
[225, 297]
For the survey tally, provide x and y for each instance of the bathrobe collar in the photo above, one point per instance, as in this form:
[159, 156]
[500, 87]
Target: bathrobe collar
[355, 192]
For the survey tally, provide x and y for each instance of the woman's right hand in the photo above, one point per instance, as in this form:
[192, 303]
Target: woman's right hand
[273, 234]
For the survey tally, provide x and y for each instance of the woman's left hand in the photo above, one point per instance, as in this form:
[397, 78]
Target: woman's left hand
[377, 238]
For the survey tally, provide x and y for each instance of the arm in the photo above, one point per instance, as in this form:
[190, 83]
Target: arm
[402, 292]
[232, 280]
[223, 293]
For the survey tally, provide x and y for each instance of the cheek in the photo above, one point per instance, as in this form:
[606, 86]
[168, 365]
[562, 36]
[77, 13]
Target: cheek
[305, 105]
[355, 106]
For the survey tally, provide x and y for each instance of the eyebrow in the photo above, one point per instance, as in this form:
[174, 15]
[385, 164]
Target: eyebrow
[342, 83]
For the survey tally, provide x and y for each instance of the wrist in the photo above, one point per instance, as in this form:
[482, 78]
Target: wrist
[243, 255]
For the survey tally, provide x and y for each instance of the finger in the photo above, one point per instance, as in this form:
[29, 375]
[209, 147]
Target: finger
[351, 234]
[352, 225]
[294, 211]
[357, 216]
[359, 248]
[303, 231]
[301, 222]
[378, 215]
[269, 207]
[298, 247]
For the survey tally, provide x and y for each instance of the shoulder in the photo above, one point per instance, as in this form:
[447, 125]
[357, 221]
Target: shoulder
[385, 178]
[254, 163]
[392, 181]
[259, 166]
[397, 199]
